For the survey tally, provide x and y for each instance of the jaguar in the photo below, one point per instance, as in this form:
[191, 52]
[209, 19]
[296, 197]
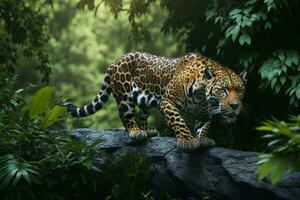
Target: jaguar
[192, 84]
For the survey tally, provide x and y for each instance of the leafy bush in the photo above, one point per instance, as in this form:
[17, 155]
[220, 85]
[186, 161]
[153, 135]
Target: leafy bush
[13, 170]
[283, 148]
[33, 157]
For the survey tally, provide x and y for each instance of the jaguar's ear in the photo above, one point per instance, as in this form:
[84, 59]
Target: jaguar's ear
[243, 75]
[208, 74]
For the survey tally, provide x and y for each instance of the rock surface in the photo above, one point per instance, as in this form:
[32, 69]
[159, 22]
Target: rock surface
[215, 173]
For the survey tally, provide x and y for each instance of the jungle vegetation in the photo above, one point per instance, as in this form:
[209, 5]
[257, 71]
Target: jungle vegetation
[52, 51]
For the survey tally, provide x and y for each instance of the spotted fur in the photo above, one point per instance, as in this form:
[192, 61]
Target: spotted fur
[190, 84]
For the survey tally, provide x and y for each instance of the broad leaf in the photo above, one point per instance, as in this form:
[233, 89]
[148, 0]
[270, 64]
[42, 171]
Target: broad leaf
[245, 39]
[278, 170]
[39, 102]
[264, 169]
[52, 116]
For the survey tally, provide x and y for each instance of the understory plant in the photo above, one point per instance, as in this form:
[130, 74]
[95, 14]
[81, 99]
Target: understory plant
[34, 161]
[283, 148]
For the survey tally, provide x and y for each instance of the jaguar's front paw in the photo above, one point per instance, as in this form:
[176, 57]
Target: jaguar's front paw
[151, 132]
[187, 145]
[206, 141]
[138, 134]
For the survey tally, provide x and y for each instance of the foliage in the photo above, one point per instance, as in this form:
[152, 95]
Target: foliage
[18, 120]
[32, 157]
[274, 70]
[13, 171]
[129, 177]
[23, 32]
[283, 146]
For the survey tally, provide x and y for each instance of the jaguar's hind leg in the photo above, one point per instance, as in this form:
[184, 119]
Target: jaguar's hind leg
[127, 115]
[144, 114]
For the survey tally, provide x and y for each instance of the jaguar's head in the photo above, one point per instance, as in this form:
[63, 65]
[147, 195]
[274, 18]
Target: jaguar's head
[225, 92]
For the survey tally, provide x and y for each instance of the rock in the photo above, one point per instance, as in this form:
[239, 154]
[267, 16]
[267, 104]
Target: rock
[214, 173]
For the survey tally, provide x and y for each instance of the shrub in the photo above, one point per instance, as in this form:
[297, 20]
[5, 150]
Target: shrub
[283, 148]
[35, 162]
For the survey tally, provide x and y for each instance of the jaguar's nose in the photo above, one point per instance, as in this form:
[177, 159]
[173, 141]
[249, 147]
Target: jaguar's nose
[234, 105]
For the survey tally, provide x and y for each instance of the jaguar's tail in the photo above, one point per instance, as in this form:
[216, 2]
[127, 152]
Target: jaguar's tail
[95, 105]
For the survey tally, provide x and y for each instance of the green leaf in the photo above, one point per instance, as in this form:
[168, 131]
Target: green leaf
[282, 148]
[270, 4]
[39, 102]
[284, 68]
[17, 177]
[12, 171]
[292, 100]
[288, 61]
[245, 38]
[19, 91]
[268, 25]
[247, 10]
[298, 92]
[26, 176]
[295, 58]
[274, 142]
[277, 88]
[218, 19]
[278, 170]
[272, 135]
[264, 128]
[264, 169]
[210, 14]
[251, 1]
[235, 32]
[8, 178]
[52, 116]
[281, 56]
[282, 79]
[274, 80]
[234, 12]
[264, 158]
